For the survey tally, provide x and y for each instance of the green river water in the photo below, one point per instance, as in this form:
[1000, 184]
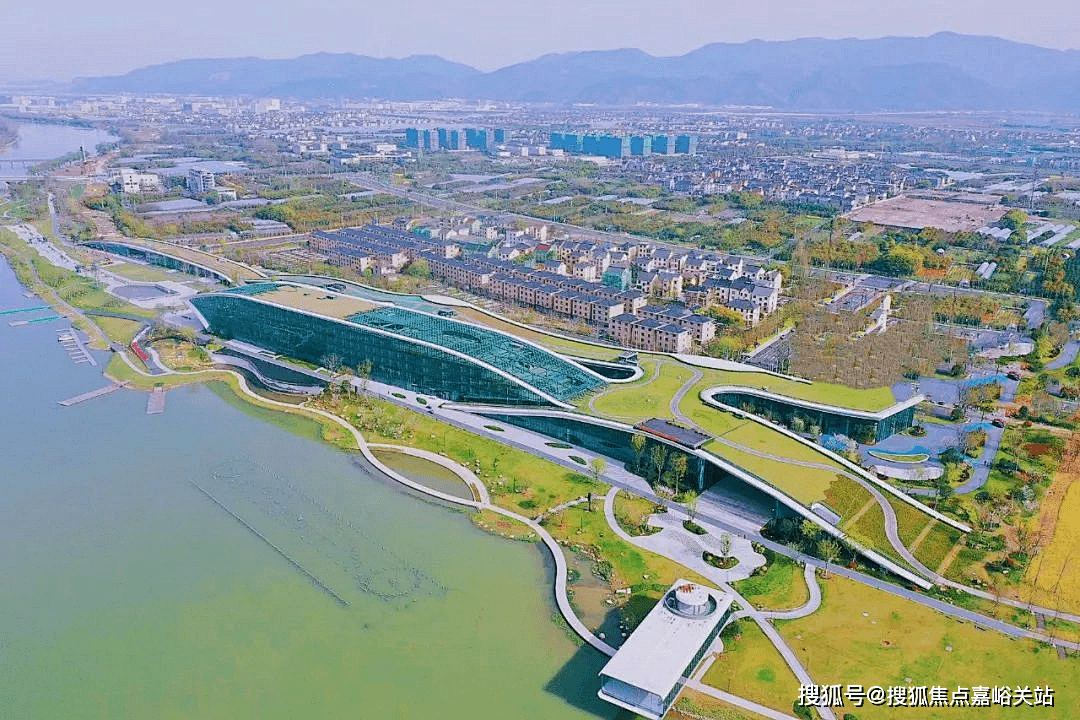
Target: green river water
[128, 593]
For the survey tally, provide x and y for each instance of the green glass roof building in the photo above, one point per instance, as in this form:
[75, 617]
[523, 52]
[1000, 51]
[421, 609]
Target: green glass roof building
[440, 356]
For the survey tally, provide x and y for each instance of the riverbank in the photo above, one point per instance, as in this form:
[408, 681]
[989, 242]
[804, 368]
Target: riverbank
[224, 626]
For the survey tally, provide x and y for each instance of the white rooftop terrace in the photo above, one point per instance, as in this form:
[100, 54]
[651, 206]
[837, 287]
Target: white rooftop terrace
[643, 673]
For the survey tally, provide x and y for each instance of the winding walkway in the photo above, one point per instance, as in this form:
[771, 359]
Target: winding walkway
[892, 530]
[1066, 356]
[810, 606]
[705, 517]
[720, 577]
[651, 380]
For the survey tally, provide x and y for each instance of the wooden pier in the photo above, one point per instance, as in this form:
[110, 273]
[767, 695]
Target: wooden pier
[92, 394]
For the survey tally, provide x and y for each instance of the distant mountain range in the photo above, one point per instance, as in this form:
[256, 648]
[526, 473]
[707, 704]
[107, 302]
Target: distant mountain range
[945, 71]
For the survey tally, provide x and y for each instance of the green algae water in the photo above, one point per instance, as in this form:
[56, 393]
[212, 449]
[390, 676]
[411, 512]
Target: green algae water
[128, 593]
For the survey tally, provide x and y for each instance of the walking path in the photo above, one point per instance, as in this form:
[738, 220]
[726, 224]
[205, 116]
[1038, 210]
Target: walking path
[810, 606]
[1066, 356]
[687, 552]
[92, 394]
[719, 518]
[892, 531]
[893, 535]
[676, 543]
[656, 374]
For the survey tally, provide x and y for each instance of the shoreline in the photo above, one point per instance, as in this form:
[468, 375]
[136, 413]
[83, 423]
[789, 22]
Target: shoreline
[480, 503]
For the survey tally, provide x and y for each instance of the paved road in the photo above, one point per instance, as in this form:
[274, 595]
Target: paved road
[688, 553]
[1066, 356]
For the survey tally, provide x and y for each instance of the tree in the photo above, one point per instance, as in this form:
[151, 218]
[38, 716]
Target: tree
[723, 544]
[418, 268]
[944, 489]
[597, 467]
[637, 442]
[658, 457]
[363, 374]
[679, 466]
[332, 362]
[691, 503]
[828, 549]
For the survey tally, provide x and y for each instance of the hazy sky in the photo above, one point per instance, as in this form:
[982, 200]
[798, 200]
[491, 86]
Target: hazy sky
[60, 39]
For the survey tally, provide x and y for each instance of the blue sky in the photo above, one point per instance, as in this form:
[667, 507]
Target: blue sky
[61, 39]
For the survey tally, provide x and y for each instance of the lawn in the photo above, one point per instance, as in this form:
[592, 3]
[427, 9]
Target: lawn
[752, 668]
[512, 476]
[900, 458]
[632, 511]
[865, 636]
[846, 497]
[869, 530]
[825, 393]
[764, 439]
[692, 705]
[937, 544]
[145, 273]
[120, 330]
[646, 398]
[780, 587]
[710, 419]
[806, 485]
[909, 520]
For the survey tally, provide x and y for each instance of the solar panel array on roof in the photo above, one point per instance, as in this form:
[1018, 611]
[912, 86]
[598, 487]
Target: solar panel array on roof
[537, 367]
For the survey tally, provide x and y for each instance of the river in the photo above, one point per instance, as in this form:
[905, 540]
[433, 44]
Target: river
[128, 593]
[45, 141]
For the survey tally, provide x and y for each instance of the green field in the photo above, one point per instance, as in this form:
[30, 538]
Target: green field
[752, 668]
[806, 485]
[648, 397]
[120, 330]
[865, 636]
[909, 520]
[900, 458]
[780, 587]
[145, 273]
[935, 546]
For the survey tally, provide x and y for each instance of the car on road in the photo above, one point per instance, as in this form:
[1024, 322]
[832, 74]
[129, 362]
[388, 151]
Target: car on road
[998, 422]
[1013, 375]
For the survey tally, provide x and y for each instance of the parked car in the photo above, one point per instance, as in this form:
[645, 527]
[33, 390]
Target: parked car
[1013, 375]
[998, 422]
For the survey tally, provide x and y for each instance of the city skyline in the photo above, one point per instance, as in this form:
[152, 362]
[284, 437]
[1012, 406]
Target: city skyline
[65, 45]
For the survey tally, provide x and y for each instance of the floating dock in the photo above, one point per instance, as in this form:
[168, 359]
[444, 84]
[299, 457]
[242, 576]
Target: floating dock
[155, 403]
[24, 309]
[92, 394]
[17, 323]
[74, 347]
